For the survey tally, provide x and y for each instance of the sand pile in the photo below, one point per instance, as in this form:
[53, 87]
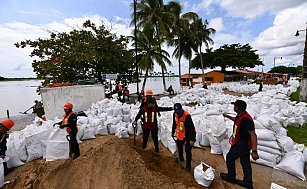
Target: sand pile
[109, 162]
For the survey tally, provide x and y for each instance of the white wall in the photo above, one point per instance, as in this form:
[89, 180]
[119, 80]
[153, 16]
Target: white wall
[81, 96]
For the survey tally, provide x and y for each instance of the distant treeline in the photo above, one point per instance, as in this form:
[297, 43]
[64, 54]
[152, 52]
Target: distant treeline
[17, 79]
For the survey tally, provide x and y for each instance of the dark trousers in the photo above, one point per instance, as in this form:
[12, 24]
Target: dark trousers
[239, 151]
[188, 151]
[73, 145]
[154, 136]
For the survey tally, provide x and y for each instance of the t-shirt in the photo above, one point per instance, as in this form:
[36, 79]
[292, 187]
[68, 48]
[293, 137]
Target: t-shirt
[245, 126]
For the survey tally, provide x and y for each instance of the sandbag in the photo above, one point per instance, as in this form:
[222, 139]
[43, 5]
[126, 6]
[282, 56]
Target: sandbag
[57, 145]
[20, 145]
[225, 146]
[11, 153]
[1, 173]
[293, 163]
[198, 139]
[33, 146]
[269, 157]
[102, 130]
[122, 132]
[270, 144]
[204, 140]
[202, 177]
[305, 154]
[263, 162]
[265, 134]
[269, 150]
[286, 143]
[269, 122]
[89, 133]
[171, 144]
[276, 186]
[218, 127]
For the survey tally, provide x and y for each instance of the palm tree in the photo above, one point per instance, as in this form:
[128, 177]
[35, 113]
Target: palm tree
[150, 53]
[179, 27]
[152, 18]
[202, 33]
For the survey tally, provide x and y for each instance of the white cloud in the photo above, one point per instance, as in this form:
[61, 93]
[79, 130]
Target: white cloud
[253, 8]
[202, 5]
[217, 24]
[17, 63]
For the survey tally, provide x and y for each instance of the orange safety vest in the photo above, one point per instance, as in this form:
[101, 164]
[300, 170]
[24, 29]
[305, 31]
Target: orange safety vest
[150, 118]
[180, 129]
[236, 130]
[120, 88]
[65, 121]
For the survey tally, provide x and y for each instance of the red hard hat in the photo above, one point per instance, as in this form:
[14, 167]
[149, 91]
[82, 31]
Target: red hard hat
[68, 106]
[8, 123]
[149, 92]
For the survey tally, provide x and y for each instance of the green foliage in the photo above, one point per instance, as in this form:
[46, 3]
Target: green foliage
[298, 134]
[287, 70]
[234, 55]
[80, 54]
[295, 96]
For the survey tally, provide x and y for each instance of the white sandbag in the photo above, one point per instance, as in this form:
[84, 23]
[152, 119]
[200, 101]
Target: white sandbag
[117, 112]
[270, 144]
[276, 186]
[286, 143]
[293, 163]
[20, 145]
[265, 134]
[80, 133]
[216, 149]
[263, 162]
[113, 129]
[225, 145]
[89, 133]
[213, 112]
[122, 132]
[269, 157]
[204, 140]
[139, 129]
[82, 120]
[1, 173]
[299, 147]
[57, 145]
[164, 138]
[198, 139]
[218, 127]
[305, 154]
[202, 177]
[110, 112]
[102, 130]
[269, 122]
[171, 144]
[33, 146]
[130, 129]
[126, 118]
[11, 153]
[269, 150]
[258, 124]
[96, 122]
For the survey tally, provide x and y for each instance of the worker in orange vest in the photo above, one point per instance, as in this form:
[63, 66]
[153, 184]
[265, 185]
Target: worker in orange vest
[69, 121]
[149, 121]
[126, 94]
[5, 126]
[119, 90]
[183, 131]
[149, 95]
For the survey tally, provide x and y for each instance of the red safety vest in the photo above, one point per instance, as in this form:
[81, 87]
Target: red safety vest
[65, 121]
[236, 130]
[120, 88]
[150, 118]
[180, 129]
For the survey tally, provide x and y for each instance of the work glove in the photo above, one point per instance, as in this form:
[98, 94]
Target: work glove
[61, 127]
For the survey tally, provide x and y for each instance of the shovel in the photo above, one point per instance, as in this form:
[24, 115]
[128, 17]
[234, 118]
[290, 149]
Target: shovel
[25, 112]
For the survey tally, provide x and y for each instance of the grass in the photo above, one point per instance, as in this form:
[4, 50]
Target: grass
[295, 96]
[298, 134]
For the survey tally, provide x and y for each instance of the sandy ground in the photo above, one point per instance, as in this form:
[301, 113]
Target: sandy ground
[108, 162]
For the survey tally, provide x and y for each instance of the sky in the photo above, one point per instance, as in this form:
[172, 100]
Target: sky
[269, 26]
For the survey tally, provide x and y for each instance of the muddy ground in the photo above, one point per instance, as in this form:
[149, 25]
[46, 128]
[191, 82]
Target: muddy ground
[109, 163]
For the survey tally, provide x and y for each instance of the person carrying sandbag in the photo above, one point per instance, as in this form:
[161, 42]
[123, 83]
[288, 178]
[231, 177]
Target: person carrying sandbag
[183, 131]
[5, 126]
[69, 121]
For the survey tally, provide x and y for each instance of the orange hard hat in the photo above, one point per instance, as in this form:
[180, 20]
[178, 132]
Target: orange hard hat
[8, 123]
[68, 106]
[149, 92]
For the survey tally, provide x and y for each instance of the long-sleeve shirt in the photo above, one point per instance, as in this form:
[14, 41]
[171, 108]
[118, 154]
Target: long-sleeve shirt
[159, 109]
[72, 123]
[3, 146]
[190, 133]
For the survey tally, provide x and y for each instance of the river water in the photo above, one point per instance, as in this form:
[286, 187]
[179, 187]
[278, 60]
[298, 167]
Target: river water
[18, 96]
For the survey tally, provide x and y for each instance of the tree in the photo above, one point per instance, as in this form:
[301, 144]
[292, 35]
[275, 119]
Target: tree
[202, 33]
[79, 54]
[234, 55]
[152, 18]
[287, 70]
[149, 53]
[179, 27]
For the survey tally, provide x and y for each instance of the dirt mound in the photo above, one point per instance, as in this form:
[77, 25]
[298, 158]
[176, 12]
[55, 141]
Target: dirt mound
[109, 162]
